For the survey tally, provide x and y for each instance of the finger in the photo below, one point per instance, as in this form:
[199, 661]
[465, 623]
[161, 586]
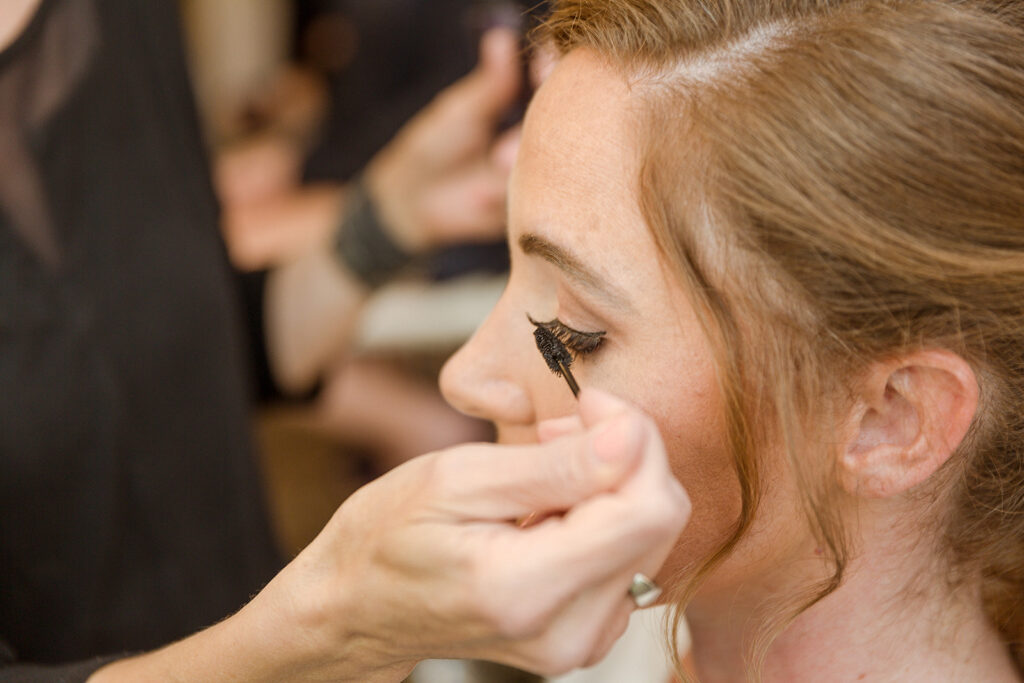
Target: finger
[616, 627]
[555, 428]
[597, 405]
[576, 634]
[506, 148]
[468, 206]
[495, 82]
[542, 63]
[485, 482]
[630, 529]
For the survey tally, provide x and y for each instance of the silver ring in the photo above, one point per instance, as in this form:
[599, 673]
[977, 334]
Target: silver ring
[643, 590]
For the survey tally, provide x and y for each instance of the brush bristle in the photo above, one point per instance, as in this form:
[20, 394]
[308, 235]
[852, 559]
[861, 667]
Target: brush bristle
[552, 349]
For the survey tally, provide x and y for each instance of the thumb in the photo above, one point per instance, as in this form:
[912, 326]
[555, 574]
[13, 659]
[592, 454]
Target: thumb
[503, 483]
[597, 406]
[594, 406]
[496, 81]
[557, 427]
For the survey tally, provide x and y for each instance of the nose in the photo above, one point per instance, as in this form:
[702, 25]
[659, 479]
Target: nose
[486, 377]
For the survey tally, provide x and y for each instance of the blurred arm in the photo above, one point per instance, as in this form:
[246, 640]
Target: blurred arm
[438, 181]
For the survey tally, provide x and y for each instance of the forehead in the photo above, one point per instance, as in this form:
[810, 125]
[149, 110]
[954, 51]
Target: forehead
[582, 97]
[575, 180]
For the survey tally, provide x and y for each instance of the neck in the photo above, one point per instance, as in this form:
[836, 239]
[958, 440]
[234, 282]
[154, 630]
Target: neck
[874, 627]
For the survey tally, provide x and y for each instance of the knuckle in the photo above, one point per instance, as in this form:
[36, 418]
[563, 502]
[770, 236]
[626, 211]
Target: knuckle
[491, 590]
[560, 656]
[522, 619]
[571, 467]
[429, 469]
[663, 516]
[520, 622]
[439, 471]
[607, 640]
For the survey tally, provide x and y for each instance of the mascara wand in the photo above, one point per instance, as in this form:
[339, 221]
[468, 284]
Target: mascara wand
[556, 356]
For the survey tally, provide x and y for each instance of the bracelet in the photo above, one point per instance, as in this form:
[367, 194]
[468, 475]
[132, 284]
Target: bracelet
[361, 243]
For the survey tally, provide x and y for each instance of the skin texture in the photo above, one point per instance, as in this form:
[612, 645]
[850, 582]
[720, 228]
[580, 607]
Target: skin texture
[573, 188]
[581, 252]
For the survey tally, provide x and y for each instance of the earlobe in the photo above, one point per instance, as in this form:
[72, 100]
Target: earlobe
[912, 414]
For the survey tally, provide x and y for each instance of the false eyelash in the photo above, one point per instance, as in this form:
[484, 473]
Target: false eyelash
[578, 342]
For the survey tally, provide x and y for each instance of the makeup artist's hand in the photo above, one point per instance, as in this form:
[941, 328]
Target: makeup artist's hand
[428, 561]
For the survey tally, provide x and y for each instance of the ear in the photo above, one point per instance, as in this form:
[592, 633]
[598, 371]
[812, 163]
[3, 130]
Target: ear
[913, 412]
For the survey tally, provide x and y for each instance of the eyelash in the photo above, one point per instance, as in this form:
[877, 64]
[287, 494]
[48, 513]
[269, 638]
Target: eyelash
[579, 343]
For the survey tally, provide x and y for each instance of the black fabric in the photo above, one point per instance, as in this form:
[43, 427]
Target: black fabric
[77, 672]
[402, 53]
[131, 510]
[405, 51]
[252, 287]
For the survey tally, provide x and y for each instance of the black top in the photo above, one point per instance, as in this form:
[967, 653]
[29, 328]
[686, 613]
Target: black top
[131, 510]
[403, 53]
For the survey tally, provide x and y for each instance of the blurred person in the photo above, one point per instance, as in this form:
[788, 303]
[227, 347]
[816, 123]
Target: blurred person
[381, 62]
[132, 510]
[360, 72]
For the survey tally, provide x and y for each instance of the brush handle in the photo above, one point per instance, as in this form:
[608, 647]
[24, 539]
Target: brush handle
[569, 379]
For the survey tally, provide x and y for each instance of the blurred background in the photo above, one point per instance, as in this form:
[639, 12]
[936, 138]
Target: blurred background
[296, 96]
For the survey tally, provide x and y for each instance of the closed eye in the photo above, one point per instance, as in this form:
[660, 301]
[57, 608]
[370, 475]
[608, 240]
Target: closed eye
[579, 343]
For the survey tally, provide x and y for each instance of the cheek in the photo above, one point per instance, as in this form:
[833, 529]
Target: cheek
[681, 394]
[696, 440]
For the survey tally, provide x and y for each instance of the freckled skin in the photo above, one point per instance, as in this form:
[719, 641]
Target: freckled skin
[574, 184]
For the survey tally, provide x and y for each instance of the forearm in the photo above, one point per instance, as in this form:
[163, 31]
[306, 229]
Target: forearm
[310, 309]
[267, 641]
[233, 650]
[312, 303]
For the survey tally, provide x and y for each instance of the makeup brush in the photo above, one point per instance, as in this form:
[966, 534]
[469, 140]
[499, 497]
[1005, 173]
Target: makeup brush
[555, 355]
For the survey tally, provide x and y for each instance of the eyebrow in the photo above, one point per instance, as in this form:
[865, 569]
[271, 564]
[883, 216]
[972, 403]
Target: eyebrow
[574, 267]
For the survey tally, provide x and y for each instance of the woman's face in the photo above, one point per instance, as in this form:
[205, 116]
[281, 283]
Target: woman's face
[582, 254]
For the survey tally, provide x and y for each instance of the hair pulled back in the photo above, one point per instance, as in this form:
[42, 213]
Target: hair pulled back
[860, 194]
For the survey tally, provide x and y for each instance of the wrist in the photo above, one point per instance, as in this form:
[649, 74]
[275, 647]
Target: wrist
[311, 609]
[297, 628]
[364, 243]
[389, 184]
